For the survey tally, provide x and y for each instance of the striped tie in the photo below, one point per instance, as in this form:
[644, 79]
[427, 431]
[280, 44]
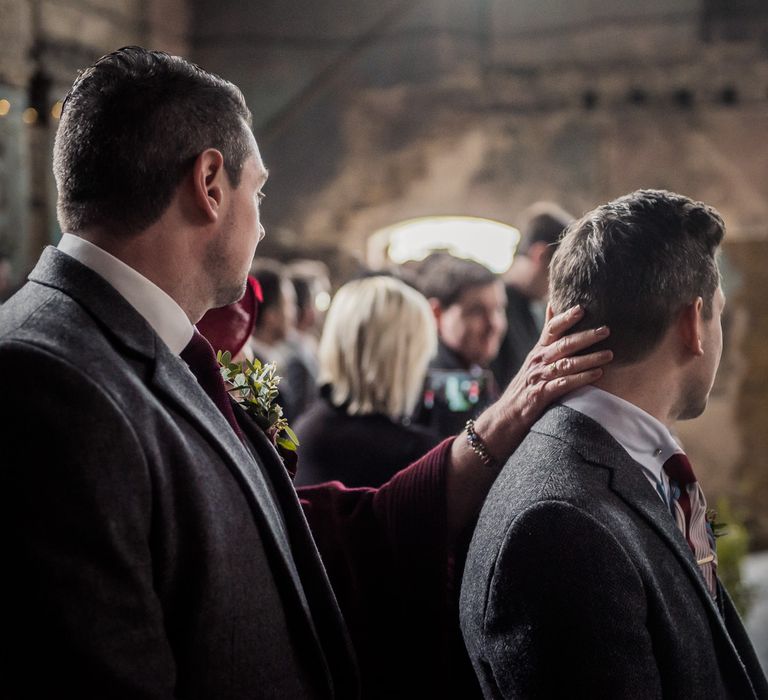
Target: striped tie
[690, 511]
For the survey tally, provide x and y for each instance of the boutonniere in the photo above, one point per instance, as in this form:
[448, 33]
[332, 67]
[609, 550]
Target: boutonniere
[254, 386]
[718, 529]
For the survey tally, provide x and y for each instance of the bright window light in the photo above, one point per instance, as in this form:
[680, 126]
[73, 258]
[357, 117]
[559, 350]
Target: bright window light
[488, 242]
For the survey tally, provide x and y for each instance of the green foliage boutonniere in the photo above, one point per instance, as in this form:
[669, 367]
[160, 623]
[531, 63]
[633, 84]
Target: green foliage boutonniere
[254, 386]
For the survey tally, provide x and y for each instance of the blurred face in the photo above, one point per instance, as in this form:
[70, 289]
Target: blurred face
[699, 383]
[231, 254]
[278, 319]
[474, 326]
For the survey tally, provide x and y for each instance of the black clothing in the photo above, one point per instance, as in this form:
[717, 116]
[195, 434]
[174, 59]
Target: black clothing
[522, 334]
[356, 450]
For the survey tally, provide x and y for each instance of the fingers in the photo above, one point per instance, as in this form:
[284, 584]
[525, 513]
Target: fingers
[566, 366]
[557, 325]
[556, 388]
[576, 342]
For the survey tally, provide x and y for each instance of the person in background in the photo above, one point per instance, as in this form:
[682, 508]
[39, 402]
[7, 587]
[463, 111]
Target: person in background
[277, 311]
[274, 321]
[299, 349]
[526, 284]
[467, 301]
[378, 337]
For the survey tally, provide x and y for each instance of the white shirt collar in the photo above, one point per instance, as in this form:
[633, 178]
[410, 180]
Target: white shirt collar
[159, 309]
[646, 439]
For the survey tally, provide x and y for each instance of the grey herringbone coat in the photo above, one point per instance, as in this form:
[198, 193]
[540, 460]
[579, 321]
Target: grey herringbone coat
[578, 584]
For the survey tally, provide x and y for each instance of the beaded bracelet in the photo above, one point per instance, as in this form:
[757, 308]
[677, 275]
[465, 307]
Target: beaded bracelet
[478, 446]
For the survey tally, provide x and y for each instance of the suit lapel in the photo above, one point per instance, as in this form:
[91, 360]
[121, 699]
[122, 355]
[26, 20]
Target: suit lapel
[170, 378]
[178, 386]
[599, 448]
[326, 622]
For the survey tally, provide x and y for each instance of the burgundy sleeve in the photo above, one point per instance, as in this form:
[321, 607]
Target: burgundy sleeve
[388, 558]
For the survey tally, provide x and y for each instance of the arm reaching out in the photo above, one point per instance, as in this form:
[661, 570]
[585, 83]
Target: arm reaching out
[550, 371]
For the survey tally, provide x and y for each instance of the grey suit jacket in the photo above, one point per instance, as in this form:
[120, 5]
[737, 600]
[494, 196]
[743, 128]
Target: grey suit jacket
[152, 553]
[579, 584]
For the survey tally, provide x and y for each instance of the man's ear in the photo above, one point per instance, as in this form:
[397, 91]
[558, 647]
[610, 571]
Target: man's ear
[690, 323]
[207, 180]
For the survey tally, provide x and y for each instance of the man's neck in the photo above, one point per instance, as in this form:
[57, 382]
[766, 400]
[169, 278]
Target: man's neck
[643, 385]
[156, 254]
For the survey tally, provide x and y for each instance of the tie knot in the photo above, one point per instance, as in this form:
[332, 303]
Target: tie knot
[679, 469]
[199, 354]
[201, 359]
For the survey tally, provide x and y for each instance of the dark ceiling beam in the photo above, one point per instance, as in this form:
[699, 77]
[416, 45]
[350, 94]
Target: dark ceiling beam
[326, 78]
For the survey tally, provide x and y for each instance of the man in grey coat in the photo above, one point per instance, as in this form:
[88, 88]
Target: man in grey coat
[592, 570]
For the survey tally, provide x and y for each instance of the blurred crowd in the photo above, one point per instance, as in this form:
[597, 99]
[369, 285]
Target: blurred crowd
[401, 358]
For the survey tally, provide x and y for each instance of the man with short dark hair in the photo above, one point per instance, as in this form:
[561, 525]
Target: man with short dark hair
[526, 284]
[467, 300]
[592, 571]
[153, 541]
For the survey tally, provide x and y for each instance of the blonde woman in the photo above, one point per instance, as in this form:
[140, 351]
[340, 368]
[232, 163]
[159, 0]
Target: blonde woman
[378, 338]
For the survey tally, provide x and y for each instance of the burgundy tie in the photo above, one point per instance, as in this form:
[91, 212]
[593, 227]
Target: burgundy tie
[690, 511]
[201, 359]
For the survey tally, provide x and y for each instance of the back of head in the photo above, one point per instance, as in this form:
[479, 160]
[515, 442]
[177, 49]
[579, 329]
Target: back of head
[378, 338]
[634, 263]
[543, 222]
[131, 127]
[445, 277]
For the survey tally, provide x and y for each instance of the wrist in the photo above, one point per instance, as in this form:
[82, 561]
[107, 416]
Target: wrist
[501, 432]
[478, 445]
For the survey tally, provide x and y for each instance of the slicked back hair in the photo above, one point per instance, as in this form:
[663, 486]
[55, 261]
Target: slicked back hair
[131, 127]
[634, 264]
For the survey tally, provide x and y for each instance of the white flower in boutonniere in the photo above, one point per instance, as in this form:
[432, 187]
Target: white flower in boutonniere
[254, 386]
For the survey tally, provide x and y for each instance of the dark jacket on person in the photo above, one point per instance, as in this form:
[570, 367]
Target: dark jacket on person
[579, 584]
[359, 450]
[521, 335]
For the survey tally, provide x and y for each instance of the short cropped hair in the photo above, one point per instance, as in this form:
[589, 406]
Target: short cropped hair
[378, 338]
[445, 277]
[634, 263]
[543, 222]
[131, 127]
